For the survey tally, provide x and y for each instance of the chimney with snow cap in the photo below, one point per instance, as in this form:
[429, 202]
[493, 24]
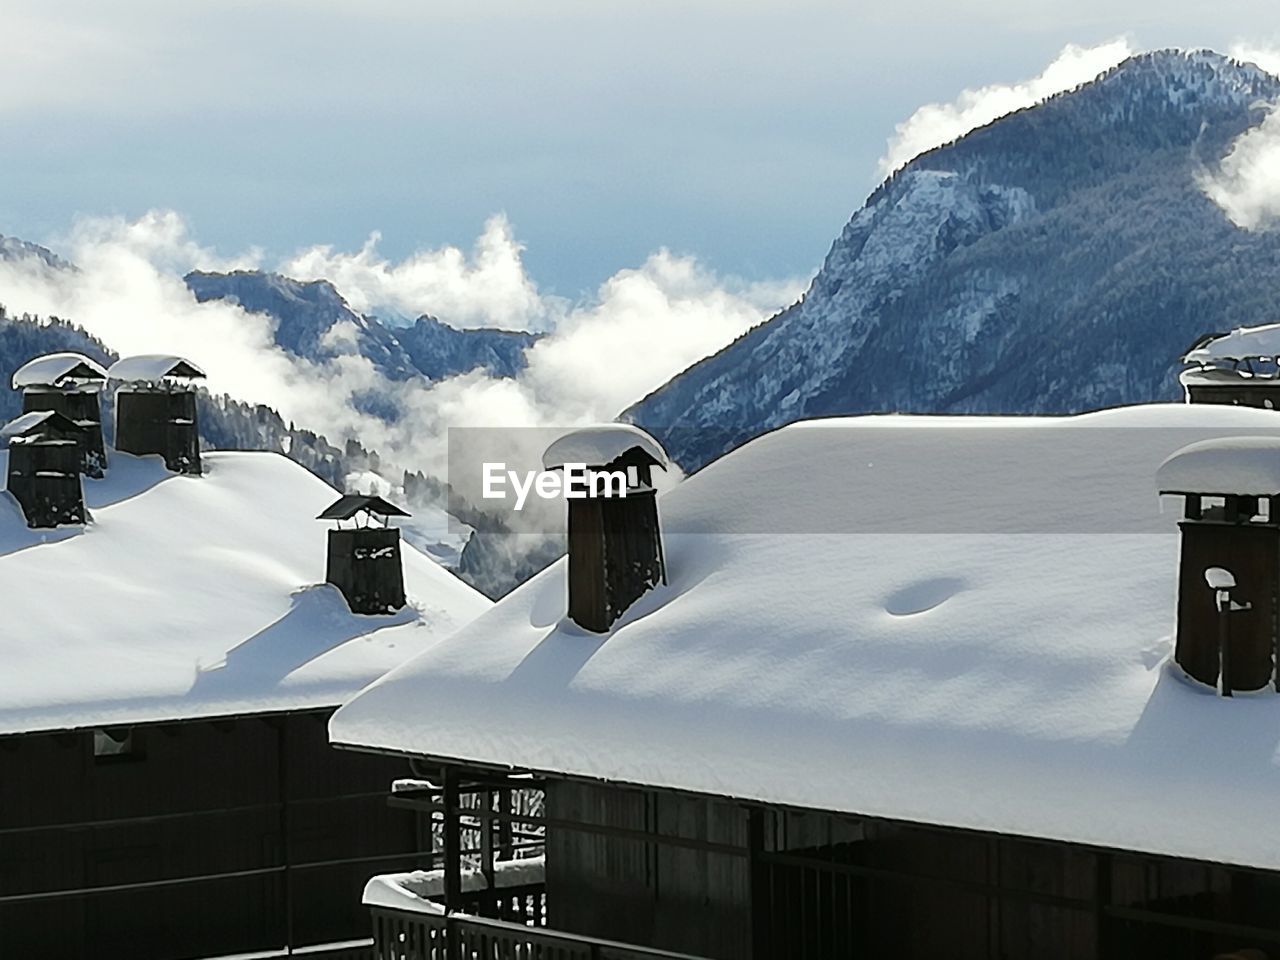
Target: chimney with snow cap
[1240, 368]
[156, 409]
[364, 558]
[1229, 567]
[615, 543]
[69, 384]
[44, 468]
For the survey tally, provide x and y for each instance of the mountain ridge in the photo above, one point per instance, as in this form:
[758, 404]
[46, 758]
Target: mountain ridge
[1052, 261]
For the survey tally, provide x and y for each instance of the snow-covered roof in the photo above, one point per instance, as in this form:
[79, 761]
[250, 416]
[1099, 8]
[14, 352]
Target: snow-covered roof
[190, 597]
[56, 370]
[1240, 344]
[1243, 465]
[960, 621]
[599, 445]
[151, 367]
[24, 424]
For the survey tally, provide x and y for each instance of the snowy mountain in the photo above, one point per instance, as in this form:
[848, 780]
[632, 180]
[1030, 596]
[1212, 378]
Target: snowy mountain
[314, 321]
[11, 248]
[226, 569]
[1056, 260]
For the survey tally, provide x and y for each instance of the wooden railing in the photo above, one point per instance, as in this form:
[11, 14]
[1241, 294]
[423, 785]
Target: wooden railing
[525, 905]
[406, 935]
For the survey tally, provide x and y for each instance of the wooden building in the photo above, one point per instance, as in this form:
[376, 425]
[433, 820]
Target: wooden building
[69, 384]
[167, 790]
[364, 558]
[45, 455]
[156, 409]
[877, 710]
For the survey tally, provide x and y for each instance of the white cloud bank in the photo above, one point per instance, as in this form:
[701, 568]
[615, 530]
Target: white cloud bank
[937, 123]
[643, 326]
[489, 289]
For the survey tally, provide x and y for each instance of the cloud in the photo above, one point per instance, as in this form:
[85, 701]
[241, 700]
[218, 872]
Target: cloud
[1246, 182]
[1268, 58]
[488, 289]
[937, 123]
[644, 325]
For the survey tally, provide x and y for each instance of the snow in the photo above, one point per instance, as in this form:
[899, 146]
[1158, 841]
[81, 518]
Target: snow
[1239, 344]
[957, 621]
[193, 597]
[414, 890]
[600, 445]
[150, 367]
[24, 423]
[1242, 465]
[53, 369]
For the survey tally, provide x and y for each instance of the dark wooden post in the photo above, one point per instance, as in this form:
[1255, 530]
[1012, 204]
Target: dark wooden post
[486, 849]
[758, 880]
[1224, 647]
[282, 789]
[502, 830]
[452, 841]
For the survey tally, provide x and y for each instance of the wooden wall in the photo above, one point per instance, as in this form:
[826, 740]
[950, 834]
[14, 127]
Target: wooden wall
[215, 791]
[641, 892]
[818, 886]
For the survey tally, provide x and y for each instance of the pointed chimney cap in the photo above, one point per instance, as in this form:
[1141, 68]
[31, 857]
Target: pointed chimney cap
[601, 445]
[1244, 466]
[154, 367]
[58, 370]
[348, 505]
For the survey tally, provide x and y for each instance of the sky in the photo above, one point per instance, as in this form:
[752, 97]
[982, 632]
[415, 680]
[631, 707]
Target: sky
[740, 133]
[641, 184]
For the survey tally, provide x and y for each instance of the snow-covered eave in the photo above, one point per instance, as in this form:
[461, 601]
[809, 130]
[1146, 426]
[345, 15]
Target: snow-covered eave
[218, 713]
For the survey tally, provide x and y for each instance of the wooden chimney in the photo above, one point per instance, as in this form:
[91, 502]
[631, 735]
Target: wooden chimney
[44, 468]
[1229, 564]
[69, 384]
[156, 409]
[364, 559]
[615, 542]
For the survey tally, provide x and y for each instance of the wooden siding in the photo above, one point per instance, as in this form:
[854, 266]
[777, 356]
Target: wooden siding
[161, 422]
[365, 564]
[203, 799]
[1252, 553]
[82, 407]
[806, 885]
[672, 898]
[615, 555]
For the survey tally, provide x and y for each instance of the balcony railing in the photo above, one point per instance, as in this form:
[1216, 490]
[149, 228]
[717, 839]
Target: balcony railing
[410, 935]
